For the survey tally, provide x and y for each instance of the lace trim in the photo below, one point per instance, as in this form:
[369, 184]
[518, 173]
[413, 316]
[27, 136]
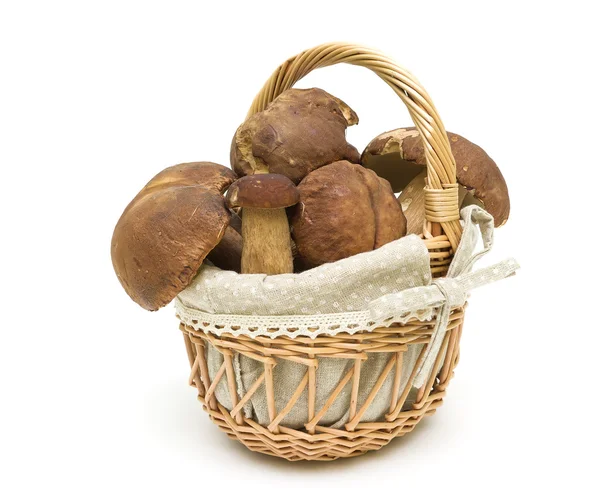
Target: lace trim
[291, 326]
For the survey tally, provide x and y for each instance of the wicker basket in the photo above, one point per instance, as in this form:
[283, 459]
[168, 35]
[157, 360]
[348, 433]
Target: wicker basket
[443, 232]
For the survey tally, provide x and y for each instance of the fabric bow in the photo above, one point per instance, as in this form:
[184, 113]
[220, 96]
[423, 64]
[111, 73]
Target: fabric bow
[449, 292]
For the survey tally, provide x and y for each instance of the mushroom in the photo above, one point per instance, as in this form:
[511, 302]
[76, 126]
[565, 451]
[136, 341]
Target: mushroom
[236, 222]
[297, 133]
[344, 210]
[399, 156]
[412, 200]
[227, 255]
[265, 230]
[168, 229]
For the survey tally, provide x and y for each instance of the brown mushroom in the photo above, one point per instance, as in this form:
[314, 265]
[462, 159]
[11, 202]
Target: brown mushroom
[227, 255]
[412, 200]
[399, 156]
[236, 222]
[297, 133]
[265, 230]
[344, 210]
[165, 233]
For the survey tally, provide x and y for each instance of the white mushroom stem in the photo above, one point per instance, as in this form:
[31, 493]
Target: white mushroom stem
[267, 246]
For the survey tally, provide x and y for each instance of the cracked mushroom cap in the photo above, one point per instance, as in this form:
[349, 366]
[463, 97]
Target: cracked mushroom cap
[168, 229]
[399, 156]
[297, 133]
[344, 210]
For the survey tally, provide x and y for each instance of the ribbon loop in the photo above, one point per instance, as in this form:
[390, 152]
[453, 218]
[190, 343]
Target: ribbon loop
[444, 294]
[449, 292]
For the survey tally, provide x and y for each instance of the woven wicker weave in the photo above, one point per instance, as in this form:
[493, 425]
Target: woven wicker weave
[442, 232]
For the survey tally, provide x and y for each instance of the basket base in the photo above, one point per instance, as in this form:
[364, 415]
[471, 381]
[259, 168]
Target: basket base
[326, 444]
[315, 442]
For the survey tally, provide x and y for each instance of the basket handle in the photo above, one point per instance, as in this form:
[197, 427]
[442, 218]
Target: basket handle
[441, 192]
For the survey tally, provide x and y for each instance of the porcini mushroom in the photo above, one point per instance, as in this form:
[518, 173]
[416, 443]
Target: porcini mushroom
[300, 131]
[399, 156]
[344, 210]
[265, 230]
[168, 229]
[227, 255]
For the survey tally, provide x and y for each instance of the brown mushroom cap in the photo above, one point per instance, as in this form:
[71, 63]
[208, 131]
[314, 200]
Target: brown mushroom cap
[165, 233]
[399, 156]
[297, 133]
[344, 210]
[212, 176]
[263, 191]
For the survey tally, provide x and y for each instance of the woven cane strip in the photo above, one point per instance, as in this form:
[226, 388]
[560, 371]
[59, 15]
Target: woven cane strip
[440, 251]
[441, 205]
[318, 442]
[441, 167]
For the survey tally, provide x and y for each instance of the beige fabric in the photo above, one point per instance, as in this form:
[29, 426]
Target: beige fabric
[219, 300]
[451, 291]
[332, 297]
[287, 375]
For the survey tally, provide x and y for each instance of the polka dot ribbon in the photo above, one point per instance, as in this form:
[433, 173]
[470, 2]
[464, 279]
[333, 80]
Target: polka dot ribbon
[446, 293]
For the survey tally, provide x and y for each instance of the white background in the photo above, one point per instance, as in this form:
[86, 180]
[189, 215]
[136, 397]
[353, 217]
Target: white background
[97, 97]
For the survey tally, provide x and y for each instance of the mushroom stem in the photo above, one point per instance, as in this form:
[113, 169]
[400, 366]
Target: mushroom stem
[267, 247]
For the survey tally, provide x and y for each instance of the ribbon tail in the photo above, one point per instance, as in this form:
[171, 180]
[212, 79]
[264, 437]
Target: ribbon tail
[434, 345]
[454, 291]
